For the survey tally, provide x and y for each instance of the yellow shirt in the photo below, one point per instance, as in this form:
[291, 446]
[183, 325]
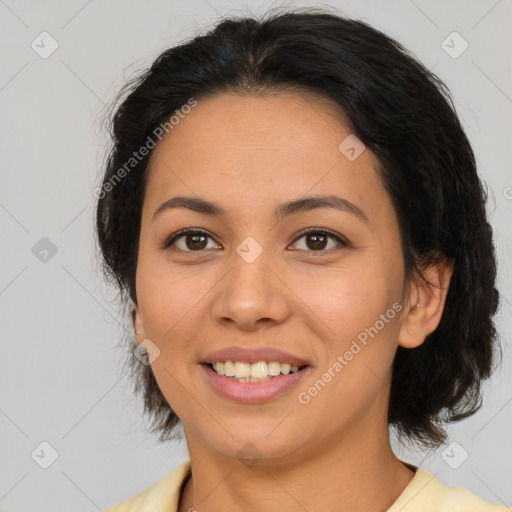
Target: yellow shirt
[424, 493]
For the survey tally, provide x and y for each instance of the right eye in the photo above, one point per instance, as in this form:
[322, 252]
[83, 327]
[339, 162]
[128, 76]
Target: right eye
[195, 240]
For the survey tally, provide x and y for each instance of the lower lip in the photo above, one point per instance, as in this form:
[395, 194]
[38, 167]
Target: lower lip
[253, 392]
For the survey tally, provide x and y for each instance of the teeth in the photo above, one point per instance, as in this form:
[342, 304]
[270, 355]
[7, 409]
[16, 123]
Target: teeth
[259, 370]
[255, 372]
[242, 369]
[229, 368]
[274, 368]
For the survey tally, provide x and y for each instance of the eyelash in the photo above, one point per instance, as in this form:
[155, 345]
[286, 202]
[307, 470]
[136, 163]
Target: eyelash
[342, 241]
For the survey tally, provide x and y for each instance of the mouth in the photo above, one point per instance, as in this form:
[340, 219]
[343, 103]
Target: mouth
[260, 371]
[245, 388]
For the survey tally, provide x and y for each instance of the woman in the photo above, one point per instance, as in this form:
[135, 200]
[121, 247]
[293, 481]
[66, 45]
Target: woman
[292, 208]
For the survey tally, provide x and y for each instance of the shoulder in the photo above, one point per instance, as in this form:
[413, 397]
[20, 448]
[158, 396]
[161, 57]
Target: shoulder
[425, 493]
[457, 499]
[163, 496]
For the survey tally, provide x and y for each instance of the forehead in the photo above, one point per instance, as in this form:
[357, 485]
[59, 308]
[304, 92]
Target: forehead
[273, 122]
[242, 149]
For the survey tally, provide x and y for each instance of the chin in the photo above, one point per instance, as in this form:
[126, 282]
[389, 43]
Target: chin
[261, 442]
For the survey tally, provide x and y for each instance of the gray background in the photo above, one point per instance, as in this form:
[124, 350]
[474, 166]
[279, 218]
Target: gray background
[60, 371]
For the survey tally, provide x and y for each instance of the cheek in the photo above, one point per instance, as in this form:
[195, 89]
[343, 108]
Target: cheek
[170, 305]
[344, 300]
[170, 301]
[358, 331]
[355, 313]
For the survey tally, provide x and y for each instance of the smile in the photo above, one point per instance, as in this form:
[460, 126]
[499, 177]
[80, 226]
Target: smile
[249, 389]
[256, 372]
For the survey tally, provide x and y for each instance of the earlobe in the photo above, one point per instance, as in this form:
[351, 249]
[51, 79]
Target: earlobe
[137, 322]
[426, 304]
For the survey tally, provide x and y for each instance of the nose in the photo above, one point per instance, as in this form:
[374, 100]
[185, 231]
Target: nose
[251, 295]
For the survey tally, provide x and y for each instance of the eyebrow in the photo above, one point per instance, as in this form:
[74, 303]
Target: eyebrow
[305, 204]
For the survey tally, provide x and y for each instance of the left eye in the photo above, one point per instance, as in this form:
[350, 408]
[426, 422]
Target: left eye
[318, 239]
[196, 240]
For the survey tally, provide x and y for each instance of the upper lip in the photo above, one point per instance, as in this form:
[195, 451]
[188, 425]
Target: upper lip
[254, 355]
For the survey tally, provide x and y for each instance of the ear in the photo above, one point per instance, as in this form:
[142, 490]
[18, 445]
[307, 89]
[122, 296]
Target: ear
[426, 304]
[137, 323]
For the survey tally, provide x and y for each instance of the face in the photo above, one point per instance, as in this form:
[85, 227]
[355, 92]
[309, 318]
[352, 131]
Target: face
[251, 279]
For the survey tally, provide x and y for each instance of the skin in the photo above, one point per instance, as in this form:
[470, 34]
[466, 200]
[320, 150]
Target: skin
[249, 154]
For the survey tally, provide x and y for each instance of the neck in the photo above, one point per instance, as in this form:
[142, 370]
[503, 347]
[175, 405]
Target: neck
[347, 473]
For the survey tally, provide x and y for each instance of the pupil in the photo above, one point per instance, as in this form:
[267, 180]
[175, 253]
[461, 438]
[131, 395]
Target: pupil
[195, 239]
[315, 241]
